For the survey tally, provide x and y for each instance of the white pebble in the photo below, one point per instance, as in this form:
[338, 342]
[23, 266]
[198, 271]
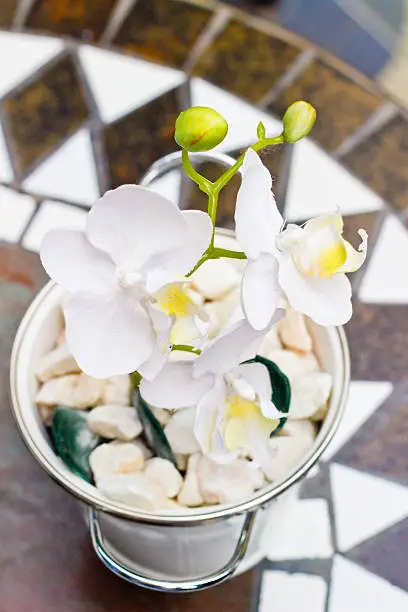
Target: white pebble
[147, 453]
[182, 461]
[292, 364]
[215, 278]
[137, 490]
[293, 331]
[114, 421]
[309, 395]
[180, 432]
[172, 506]
[285, 454]
[46, 414]
[163, 416]
[115, 458]
[190, 494]
[220, 311]
[164, 472]
[117, 390]
[270, 343]
[303, 428]
[225, 483]
[75, 390]
[56, 363]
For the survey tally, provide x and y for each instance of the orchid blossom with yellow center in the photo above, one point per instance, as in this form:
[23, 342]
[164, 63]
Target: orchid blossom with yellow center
[306, 264]
[235, 413]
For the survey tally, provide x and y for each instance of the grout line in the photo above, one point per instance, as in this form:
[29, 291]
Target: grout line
[39, 197]
[115, 20]
[302, 61]
[29, 223]
[23, 10]
[285, 174]
[216, 24]
[99, 155]
[374, 123]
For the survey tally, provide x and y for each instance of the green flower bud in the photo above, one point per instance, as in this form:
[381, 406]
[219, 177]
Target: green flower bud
[298, 120]
[200, 129]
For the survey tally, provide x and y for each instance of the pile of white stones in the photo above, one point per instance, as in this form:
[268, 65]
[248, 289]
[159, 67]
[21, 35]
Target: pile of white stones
[125, 469]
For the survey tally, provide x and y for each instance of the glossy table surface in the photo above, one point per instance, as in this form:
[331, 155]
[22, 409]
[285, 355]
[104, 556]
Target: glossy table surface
[88, 98]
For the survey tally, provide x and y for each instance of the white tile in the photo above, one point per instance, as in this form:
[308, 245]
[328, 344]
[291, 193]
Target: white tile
[302, 531]
[386, 278]
[22, 55]
[364, 505]
[242, 117]
[120, 83]
[6, 172]
[363, 400]
[354, 589]
[282, 592]
[15, 211]
[69, 174]
[318, 184]
[50, 216]
[168, 186]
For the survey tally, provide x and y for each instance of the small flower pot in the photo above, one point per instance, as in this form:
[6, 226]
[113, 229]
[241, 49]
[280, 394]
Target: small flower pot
[162, 551]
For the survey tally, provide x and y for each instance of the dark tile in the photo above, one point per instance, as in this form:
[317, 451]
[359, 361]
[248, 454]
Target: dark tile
[367, 221]
[245, 61]
[79, 18]
[386, 555]
[134, 142]
[42, 113]
[41, 530]
[381, 446]
[163, 30]
[325, 87]
[381, 162]
[378, 339]
[7, 12]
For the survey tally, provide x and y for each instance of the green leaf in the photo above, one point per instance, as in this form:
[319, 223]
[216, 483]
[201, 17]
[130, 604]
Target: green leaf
[281, 392]
[73, 440]
[153, 431]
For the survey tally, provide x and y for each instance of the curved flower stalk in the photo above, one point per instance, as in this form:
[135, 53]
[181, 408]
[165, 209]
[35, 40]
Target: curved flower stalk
[124, 276]
[235, 412]
[306, 264]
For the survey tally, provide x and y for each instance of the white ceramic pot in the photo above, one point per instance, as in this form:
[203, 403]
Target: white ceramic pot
[168, 552]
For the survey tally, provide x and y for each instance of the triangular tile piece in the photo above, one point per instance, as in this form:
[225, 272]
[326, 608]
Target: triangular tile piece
[22, 55]
[386, 554]
[6, 172]
[69, 173]
[386, 279]
[52, 215]
[318, 184]
[121, 83]
[354, 589]
[364, 505]
[363, 400]
[168, 186]
[303, 532]
[15, 212]
[283, 592]
[242, 117]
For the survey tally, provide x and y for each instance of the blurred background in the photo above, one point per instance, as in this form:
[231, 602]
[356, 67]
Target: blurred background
[89, 93]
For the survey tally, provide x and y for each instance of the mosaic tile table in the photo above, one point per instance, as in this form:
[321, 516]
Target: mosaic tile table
[88, 96]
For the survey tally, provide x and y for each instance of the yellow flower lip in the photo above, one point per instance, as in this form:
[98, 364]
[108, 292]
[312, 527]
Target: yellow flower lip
[174, 300]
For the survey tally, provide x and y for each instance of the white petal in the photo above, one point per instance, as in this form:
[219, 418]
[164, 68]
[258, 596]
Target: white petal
[268, 409]
[257, 219]
[71, 260]
[323, 252]
[107, 333]
[162, 326]
[205, 429]
[325, 300]
[132, 224]
[228, 350]
[199, 232]
[174, 387]
[260, 291]
[257, 376]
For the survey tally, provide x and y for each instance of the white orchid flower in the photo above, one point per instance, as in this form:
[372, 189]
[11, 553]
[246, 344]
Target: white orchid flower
[235, 412]
[306, 264]
[124, 277]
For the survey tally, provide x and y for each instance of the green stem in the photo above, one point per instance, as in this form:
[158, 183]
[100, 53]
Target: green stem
[228, 174]
[186, 348]
[216, 253]
[135, 379]
[204, 184]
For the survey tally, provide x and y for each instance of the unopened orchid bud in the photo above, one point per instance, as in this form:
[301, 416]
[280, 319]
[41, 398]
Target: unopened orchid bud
[298, 120]
[200, 129]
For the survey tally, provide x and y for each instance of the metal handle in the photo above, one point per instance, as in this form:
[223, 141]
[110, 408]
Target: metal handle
[170, 586]
[173, 161]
